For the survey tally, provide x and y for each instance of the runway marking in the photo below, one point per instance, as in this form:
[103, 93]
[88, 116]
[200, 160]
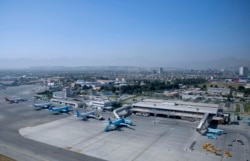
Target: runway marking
[36, 157]
[91, 137]
[5, 158]
[68, 147]
[155, 140]
[97, 140]
[78, 150]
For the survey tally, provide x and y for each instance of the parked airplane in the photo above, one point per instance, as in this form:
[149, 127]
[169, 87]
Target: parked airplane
[211, 136]
[118, 122]
[90, 114]
[215, 131]
[15, 100]
[247, 121]
[41, 105]
[59, 109]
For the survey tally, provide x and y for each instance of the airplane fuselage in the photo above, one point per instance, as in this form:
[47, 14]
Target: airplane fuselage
[215, 131]
[15, 100]
[59, 109]
[121, 121]
[41, 105]
[90, 114]
[118, 122]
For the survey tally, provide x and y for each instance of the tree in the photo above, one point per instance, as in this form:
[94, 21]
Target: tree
[116, 105]
[241, 88]
[46, 93]
[86, 87]
[229, 98]
[204, 87]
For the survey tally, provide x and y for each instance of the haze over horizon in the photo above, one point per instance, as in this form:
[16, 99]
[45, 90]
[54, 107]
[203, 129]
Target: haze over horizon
[125, 33]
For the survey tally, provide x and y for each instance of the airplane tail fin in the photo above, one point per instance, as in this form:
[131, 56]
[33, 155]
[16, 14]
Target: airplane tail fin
[110, 122]
[6, 99]
[67, 108]
[106, 128]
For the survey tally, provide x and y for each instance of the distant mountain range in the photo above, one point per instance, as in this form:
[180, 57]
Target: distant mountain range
[87, 68]
[229, 63]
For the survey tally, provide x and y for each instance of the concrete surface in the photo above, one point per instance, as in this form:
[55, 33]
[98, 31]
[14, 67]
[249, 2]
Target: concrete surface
[64, 137]
[15, 116]
[167, 139]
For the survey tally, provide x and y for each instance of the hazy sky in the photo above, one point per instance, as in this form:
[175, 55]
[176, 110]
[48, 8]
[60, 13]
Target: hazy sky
[123, 32]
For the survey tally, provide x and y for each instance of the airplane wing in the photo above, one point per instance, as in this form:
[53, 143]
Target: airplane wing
[92, 116]
[124, 124]
[96, 116]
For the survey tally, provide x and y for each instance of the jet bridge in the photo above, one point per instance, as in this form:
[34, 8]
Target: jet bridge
[202, 121]
[120, 109]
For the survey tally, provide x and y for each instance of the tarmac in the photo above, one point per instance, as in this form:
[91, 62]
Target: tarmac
[149, 139]
[15, 116]
[27, 134]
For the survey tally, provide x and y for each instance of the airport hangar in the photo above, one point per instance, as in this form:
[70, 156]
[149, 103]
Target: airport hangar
[179, 109]
[74, 104]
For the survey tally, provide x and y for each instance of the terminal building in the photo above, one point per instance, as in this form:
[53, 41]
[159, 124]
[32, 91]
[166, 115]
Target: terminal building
[100, 103]
[66, 92]
[243, 71]
[74, 104]
[218, 91]
[179, 109]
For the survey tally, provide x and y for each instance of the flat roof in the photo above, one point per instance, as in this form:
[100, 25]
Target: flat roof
[182, 103]
[64, 101]
[161, 104]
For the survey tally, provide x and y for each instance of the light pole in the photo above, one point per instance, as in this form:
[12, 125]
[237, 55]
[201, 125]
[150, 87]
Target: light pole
[154, 113]
[197, 109]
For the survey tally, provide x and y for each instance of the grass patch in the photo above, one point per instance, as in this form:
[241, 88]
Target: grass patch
[5, 158]
[247, 107]
[237, 109]
[113, 96]
[133, 97]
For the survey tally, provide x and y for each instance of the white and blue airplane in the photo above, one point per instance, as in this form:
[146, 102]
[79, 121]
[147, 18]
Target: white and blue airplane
[90, 114]
[215, 131]
[247, 121]
[59, 109]
[41, 105]
[116, 123]
[15, 100]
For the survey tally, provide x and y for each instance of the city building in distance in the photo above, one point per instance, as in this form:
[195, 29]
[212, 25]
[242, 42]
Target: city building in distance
[243, 71]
